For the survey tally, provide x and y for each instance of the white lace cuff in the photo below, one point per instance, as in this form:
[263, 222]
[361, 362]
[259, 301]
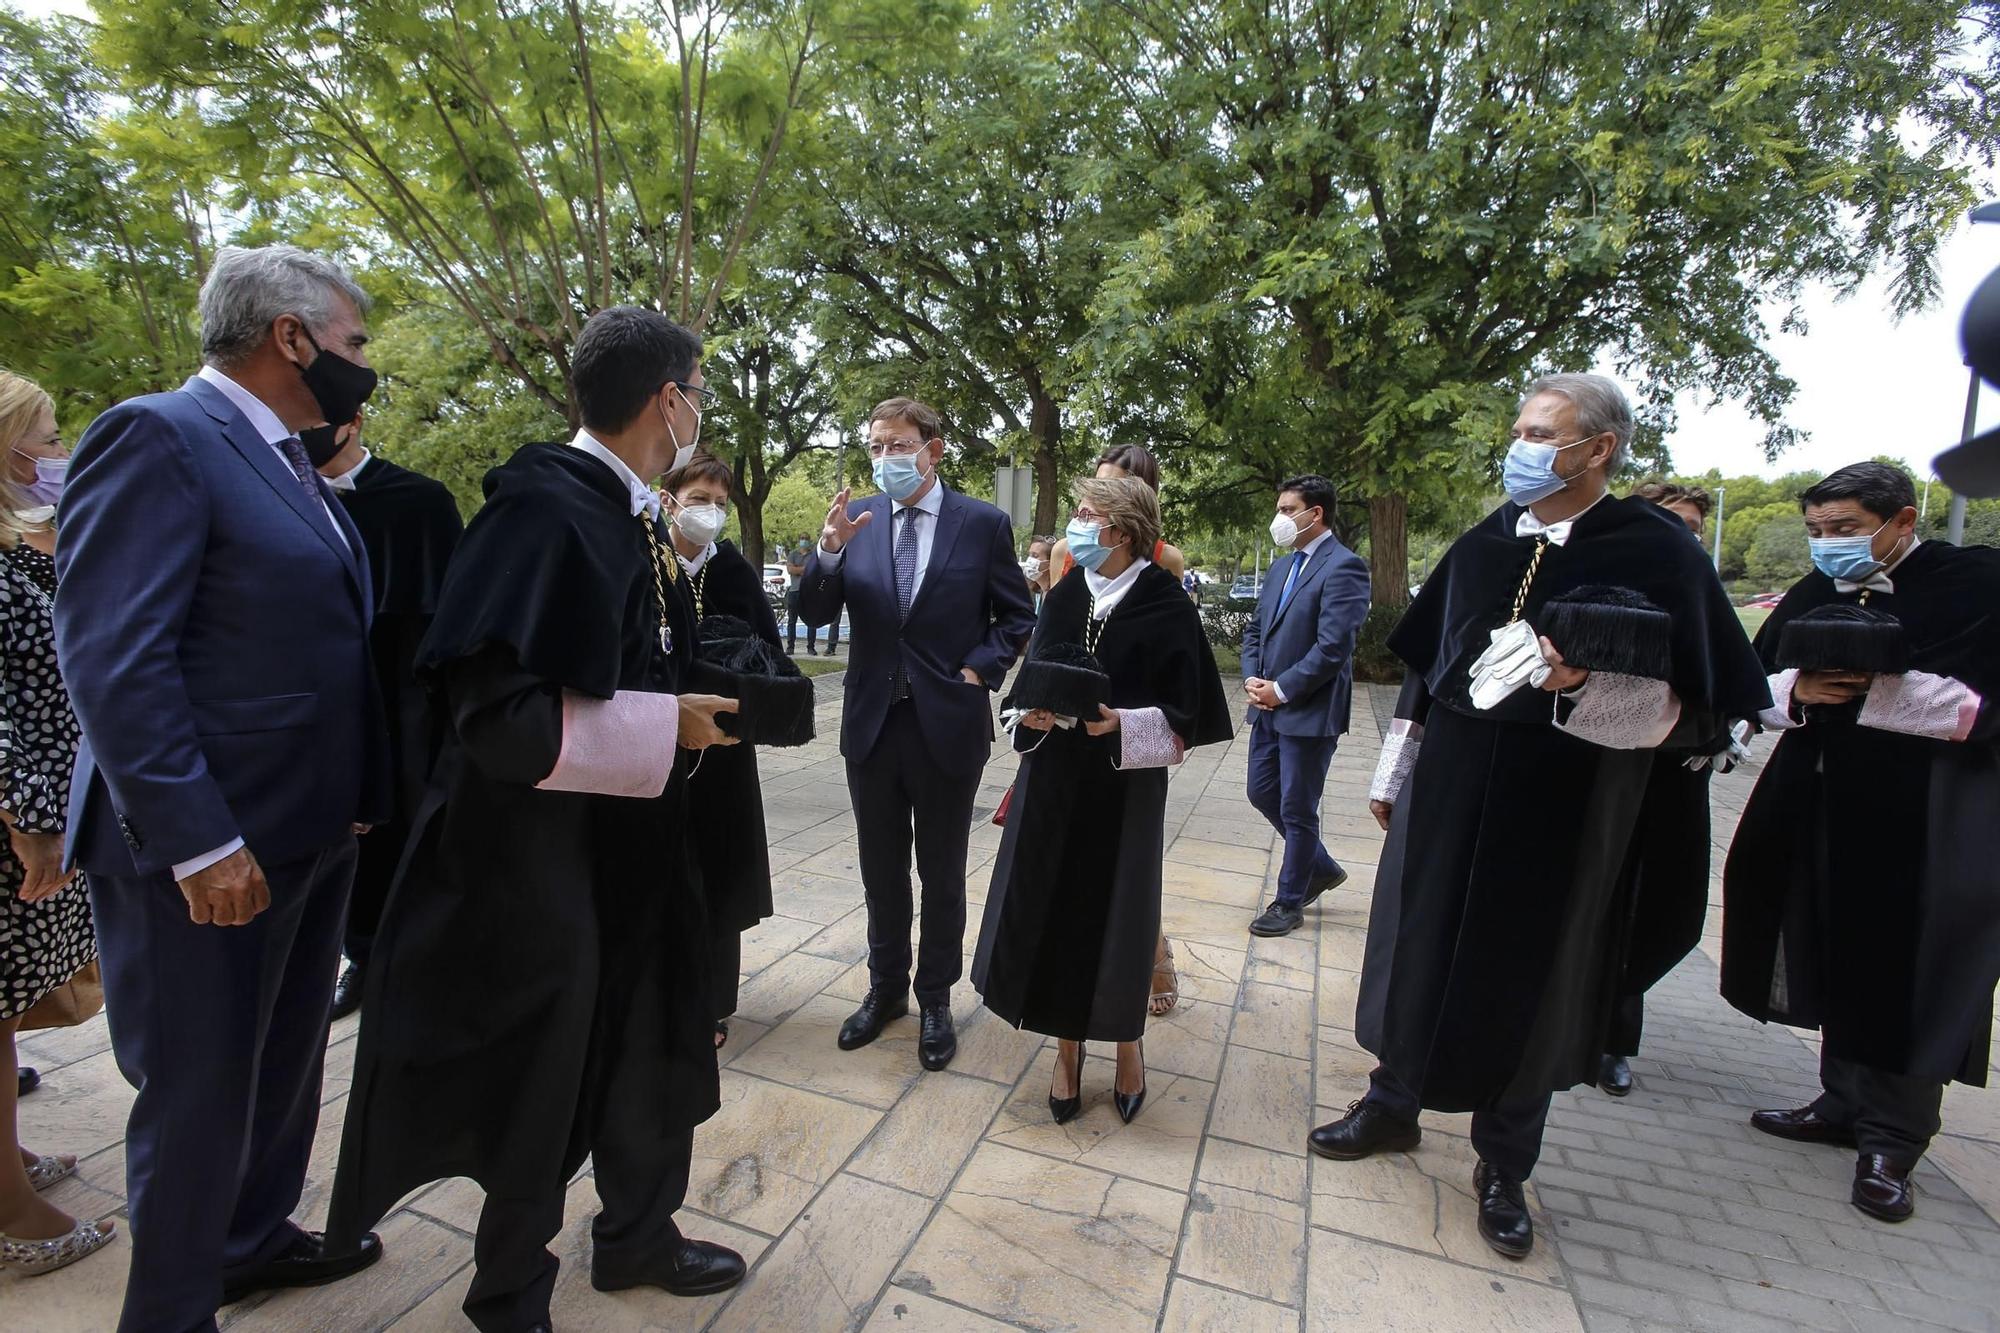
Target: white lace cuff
[1145, 740]
[1399, 757]
[1941, 708]
[1778, 717]
[1620, 712]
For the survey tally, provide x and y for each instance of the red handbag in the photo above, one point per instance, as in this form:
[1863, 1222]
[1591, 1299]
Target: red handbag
[1000, 810]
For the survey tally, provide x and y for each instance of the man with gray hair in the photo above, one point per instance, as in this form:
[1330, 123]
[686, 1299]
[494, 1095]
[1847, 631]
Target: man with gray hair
[213, 624]
[1510, 783]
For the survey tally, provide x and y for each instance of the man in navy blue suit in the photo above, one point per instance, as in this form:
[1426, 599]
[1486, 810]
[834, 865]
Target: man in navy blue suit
[938, 611]
[1298, 669]
[212, 620]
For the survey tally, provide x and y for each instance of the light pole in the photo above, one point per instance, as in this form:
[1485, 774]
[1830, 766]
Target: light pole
[1721, 493]
[1954, 530]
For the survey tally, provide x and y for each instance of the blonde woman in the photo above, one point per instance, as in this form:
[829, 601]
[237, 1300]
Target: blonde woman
[45, 933]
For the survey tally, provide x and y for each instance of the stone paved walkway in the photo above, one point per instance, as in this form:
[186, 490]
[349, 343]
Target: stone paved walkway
[869, 1195]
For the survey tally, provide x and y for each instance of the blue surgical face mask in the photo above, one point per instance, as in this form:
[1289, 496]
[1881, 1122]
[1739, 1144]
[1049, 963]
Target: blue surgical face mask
[1084, 547]
[1529, 474]
[898, 476]
[1851, 559]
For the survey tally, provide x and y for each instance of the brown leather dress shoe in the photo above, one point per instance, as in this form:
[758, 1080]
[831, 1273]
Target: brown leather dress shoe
[1803, 1125]
[1882, 1189]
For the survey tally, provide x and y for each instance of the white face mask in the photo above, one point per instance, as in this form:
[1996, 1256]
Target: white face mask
[1285, 531]
[701, 524]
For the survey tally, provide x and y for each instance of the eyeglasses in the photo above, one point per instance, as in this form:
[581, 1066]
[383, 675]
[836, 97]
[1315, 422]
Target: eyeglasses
[704, 397]
[880, 448]
[1087, 515]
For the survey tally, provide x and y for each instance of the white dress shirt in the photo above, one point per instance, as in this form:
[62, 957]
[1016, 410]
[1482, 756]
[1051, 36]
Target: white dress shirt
[1105, 594]
[1305, 558]
[645, 500]
[927, 508]
[345, 481]
[694, 566]
[265, 422]
[1558, 533]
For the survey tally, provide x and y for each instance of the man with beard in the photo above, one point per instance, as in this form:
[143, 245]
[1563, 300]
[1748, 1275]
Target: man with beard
[1494, 945]
[1861, 896]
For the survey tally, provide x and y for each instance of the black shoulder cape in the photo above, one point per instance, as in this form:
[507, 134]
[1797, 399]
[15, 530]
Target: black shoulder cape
[409, 523]
[1627, 543]
[729, 585]
[544, 571]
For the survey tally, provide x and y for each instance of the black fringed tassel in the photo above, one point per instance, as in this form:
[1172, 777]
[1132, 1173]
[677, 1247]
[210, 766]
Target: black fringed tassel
[1602, 628]
[1064, 679]
[1844, 637]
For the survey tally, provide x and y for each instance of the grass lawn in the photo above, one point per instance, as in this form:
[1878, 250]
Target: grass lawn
[1753, 618]
[818, 666]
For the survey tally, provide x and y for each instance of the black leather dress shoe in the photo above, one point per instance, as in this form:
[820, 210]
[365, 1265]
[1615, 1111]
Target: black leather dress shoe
[867, 1022]
[305, 1264]
[1615, 1075]
[1882, 1189]
[1365, 1130]
[1322, 884]
[1278, 919]
[1504, 1223]
[938, 1042]
[347, 991]
[1803, 1125]
[693, 1268]
[28, 1080]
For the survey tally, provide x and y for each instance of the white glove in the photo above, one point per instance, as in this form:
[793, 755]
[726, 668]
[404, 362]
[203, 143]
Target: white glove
[1738, 751]
[1512, 660]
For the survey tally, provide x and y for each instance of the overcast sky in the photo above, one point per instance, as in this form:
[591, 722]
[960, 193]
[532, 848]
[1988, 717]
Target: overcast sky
[1867, 386]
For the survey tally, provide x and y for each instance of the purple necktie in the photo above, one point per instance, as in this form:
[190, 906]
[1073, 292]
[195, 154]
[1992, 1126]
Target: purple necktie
[302, 468]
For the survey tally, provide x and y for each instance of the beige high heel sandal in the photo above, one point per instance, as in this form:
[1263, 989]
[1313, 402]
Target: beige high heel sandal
[32, 1258]
[1165, 997]
[48, 1169]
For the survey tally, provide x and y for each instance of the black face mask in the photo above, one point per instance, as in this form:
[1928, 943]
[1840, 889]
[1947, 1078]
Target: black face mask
[338, 385]
[321, 442]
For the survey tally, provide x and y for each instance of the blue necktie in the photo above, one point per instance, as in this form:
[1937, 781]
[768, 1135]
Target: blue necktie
[906, 588]
[1291, 580]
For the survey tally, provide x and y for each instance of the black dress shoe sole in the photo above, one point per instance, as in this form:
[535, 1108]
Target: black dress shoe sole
[1351, 1155]
[1507, 1249]
[937, 1062]
[243, 1291]
[1881, 1214]
[1273, 932]
[707, 1286]
[1836, 1139]
[1615, 1089]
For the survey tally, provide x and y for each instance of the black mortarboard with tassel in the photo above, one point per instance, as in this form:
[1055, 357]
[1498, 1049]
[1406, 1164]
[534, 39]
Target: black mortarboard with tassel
[1063, 678]
[774, 698]
[1842, 636]
[1602, 628]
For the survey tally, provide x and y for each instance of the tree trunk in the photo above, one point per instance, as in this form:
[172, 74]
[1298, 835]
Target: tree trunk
[1045, 426]
[1388, 550]
[750, 522]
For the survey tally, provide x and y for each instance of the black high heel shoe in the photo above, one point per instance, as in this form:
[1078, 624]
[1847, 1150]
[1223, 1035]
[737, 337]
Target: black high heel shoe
[1128, 1103]
[1064, 1109]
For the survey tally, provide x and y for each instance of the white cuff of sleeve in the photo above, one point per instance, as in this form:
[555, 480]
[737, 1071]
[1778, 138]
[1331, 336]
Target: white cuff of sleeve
[1146, 740]
[1778, 717]
[182, 869]
[1399, 758]
[621, 746]
[1279, 690]
[1939, 708]
[831, 559]
[1620, 712]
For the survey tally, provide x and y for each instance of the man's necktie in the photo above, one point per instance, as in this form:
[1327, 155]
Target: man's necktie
[302, 468]
[906, 587]
[1291, 580]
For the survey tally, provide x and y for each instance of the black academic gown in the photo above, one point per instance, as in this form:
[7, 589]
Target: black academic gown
[1667, 872]
[1497, 932]
[1862, 891]
[1072, 915]
[409, 525]
[537, 944]
[725, 797]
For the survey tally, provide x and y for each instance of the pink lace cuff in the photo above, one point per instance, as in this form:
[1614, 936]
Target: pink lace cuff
[1621, 712]
[621, 746]
[1778, 717]
[1941, 708]
[1146, 741]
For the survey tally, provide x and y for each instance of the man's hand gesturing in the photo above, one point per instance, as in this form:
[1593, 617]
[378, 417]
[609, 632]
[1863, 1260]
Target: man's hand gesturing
[229, 893]
[840, 529]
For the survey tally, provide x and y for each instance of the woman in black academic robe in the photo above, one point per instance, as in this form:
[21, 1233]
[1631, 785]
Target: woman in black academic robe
[725, 796]
[1072, 916]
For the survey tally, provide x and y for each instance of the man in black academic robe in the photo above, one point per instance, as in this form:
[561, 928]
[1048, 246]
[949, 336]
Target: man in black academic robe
[409, 525]
[1861, 894]
[1496, 937]
[539, 987]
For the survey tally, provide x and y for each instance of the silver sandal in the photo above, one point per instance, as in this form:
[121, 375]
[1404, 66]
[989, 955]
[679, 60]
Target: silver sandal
[32, 1258]
[49, 1169]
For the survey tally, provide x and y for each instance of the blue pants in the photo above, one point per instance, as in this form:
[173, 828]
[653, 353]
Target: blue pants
[1287, 775]
[222, 1029]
